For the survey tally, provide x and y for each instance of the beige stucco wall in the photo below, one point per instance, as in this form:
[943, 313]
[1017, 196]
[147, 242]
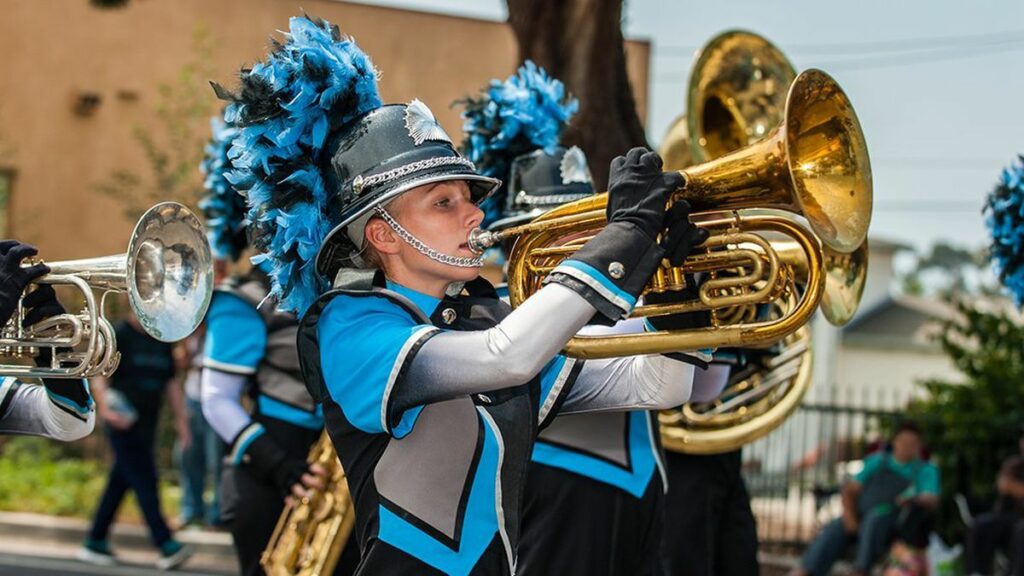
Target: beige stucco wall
[55, 49]
[889, 375]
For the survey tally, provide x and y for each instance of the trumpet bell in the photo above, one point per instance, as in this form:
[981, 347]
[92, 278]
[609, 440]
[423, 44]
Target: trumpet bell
[814, 164]
[169, 272]
[736, 95]
[828, 158]
[845, 276]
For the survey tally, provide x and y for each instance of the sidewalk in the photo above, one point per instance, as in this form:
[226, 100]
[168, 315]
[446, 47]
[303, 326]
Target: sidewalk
[54, 537]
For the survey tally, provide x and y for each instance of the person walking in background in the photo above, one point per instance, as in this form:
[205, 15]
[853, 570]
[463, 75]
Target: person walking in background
[201, 460]
[129, 403]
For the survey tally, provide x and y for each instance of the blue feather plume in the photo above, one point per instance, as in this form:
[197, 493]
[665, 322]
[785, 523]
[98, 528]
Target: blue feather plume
[1004, 217]
[223, 208]
[526, 112]
[312, 83]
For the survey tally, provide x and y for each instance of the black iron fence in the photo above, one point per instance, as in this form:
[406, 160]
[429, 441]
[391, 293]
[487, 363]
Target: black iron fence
[794, 473]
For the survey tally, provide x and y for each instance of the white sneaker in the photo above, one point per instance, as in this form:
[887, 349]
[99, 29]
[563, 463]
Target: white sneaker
[175, 559]
[95, 557]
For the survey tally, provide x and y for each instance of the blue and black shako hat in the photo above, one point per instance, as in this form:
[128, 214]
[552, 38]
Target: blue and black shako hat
[317, 152]
[512, 131]
[541, 181]
[223, 208]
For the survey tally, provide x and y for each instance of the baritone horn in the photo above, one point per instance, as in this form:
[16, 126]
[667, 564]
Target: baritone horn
[167, 272]
[737, 92]
[763, 396]
[814, 165]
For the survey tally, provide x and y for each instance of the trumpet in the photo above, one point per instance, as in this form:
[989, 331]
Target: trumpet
[814, 165]
[167, 272]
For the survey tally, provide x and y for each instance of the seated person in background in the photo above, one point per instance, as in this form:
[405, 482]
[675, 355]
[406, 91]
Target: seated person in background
[61, 409]
[1003, 527]
[895, 487]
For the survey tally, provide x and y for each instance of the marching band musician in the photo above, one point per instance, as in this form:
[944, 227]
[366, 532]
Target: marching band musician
[250, 351]
[62, 409]
[714, 532]
[596, 481]
[433, 389]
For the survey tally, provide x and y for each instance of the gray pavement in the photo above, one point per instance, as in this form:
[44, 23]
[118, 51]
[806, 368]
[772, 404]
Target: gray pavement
[43, 545]
[19, 565]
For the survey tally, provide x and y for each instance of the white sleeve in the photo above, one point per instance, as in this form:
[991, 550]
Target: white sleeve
[31, 411]
[222, 403]
[452, 364]
[633, 382]
[650, 382]
[709, 383]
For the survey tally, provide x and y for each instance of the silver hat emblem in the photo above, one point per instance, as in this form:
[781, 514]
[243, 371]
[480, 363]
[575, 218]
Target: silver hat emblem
[574, 167]
[422, 125]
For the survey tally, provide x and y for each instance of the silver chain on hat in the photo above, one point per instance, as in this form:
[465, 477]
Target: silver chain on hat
[460, 261]
[359, 183]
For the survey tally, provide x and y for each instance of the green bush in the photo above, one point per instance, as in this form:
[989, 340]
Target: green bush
[973, 425]
[45, 477]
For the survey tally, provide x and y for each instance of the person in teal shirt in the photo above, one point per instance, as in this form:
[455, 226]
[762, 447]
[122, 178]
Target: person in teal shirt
[895, 483]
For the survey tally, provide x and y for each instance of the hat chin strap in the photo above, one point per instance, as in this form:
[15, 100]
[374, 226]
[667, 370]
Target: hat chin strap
[422, 248]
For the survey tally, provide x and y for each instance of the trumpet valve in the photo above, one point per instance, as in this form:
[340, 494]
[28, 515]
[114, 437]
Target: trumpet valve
[659, 282]
[678, 278]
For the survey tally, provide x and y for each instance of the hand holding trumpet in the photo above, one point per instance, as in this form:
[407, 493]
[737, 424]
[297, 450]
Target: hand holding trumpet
[15, 278]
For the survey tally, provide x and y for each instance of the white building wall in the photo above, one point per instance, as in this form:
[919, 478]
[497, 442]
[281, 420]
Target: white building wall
[888, 376]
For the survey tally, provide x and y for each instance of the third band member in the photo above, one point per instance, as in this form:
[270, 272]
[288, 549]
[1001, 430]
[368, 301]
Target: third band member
[250, 351]
[595, 485]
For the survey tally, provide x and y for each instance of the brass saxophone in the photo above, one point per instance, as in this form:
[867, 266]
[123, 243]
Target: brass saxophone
[312, 532]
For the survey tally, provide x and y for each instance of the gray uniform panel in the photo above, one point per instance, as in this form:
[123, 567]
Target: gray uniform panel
[601, 434]
[426, 472]
[278, 374]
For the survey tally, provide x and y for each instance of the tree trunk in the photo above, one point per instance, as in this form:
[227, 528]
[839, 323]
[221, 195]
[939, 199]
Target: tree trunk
[580, 43]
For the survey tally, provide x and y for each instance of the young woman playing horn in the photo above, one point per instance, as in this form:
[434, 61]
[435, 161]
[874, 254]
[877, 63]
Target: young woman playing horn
[433, 389]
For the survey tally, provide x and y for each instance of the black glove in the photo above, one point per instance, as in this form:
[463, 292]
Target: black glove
[13, 277]
[41, 303]
[638, 190]
[678, 242]
[272, 464]
[613, 267]
[682, 235]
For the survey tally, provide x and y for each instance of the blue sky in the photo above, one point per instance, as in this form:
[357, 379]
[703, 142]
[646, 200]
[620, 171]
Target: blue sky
[937, 85]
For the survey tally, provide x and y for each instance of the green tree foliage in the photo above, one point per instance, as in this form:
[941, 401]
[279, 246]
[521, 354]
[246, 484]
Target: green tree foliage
[973, 425]
[949, 270]
[173, 147]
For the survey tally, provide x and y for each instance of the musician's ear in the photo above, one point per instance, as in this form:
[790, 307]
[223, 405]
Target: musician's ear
[380, 237]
